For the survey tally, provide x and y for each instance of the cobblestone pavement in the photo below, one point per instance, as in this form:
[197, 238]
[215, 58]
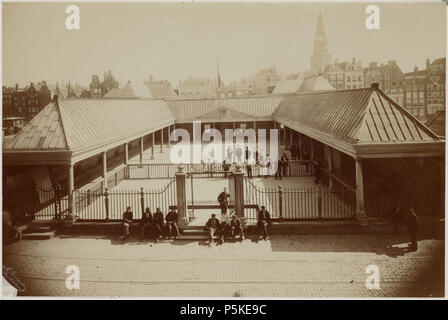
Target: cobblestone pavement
[285, 266]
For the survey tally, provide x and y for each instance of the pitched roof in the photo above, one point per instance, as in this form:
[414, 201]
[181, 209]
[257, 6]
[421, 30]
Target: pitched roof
[353, 116]
[315, 83]
[130, 91]
[160, 90]
[189, 110]
[74, 125]
[288, 86]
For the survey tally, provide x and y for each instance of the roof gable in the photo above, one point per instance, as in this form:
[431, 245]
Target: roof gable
[224, 113]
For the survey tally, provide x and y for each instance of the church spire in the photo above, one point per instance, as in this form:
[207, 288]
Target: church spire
[321, 57]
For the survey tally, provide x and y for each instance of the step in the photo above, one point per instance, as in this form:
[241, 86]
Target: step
[194, 232]
[37, 229]
[38, 236]
[193, 237]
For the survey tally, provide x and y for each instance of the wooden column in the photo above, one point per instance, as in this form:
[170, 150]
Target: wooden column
[71, 186]
[141, 150]
[126, 153]
[330, 167]
[161, 140]
[300, 147]
[169, 136]
[360, 211]
[239, 192]
[291, 136]
[233, 125]
[181, 197]
[153, 145]
[284, 136]
[104, 156]
[311, 148]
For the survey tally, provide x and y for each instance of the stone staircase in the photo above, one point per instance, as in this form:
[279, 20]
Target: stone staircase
[38, 230]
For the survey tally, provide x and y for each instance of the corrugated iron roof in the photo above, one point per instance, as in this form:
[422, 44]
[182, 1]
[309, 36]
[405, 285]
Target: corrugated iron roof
[355, 116]
[78, 124]
[189, 110]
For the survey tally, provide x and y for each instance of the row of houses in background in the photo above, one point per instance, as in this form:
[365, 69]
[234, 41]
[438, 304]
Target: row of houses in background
[422, 92]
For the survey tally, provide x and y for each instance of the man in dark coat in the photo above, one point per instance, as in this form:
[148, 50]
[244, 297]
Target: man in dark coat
[223, 201]
[412, 223]
[212, 227]
[249, 169]
[236, 227]
[171, 222]
[146, 223]
[158, 224]
[278, 172]
[127, 221]
[285, 161]
[264, 220]
[247, 154]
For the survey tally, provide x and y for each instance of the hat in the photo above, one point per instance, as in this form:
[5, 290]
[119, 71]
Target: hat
[263, 207]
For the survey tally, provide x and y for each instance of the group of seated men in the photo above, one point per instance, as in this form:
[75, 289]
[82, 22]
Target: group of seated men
[152, 225]
[219, 229]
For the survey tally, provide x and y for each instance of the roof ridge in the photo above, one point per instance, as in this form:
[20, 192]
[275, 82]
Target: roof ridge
[58, 108]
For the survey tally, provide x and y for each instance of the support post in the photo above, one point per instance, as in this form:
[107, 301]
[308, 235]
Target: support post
[300, 147]
[284, 136]
[71, 187]
[126, 153]
[239, 191]
[141, 150]
[181, 197]
[142, 201]
[311, 148]
[360, 211]
[153, 145]
[330, 167]
[280, 202]
[104, 156]
[161, 140]
[319, 202]
[291, 136]
[106, 203]
[169, 136]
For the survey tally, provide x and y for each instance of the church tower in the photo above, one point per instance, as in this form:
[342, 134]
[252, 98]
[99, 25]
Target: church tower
[321, 57]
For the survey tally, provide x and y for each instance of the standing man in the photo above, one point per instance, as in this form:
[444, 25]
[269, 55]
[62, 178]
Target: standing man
[278, 172]
[224, 204]
[212, 226]
[249, 169]
[247, 154]
[171, 222]
[264, 220]
[239, 153]
[158, 224]
[127, 220]
[413, 224]
[285, 161]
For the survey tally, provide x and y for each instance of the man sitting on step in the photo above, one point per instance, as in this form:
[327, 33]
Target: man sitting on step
[236, 227]
[212, 227]
[127, 221]
[171, 222]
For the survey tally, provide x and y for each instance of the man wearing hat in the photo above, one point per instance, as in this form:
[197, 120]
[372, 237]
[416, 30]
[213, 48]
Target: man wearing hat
[264, 220]
[236, 227]
[212, 226]
[127, 221]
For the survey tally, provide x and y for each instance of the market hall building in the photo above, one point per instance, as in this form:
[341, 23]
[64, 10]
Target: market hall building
[362, 139]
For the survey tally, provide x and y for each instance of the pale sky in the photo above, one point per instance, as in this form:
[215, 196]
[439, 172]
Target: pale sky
[173, 41]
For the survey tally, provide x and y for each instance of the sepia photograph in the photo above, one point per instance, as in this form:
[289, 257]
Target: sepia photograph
[223, 150]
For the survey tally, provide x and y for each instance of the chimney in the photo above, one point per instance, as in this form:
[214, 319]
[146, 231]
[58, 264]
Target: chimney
[374, 85]
[17, 87]
[55, 98]
[31, 84]
[44, 83]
